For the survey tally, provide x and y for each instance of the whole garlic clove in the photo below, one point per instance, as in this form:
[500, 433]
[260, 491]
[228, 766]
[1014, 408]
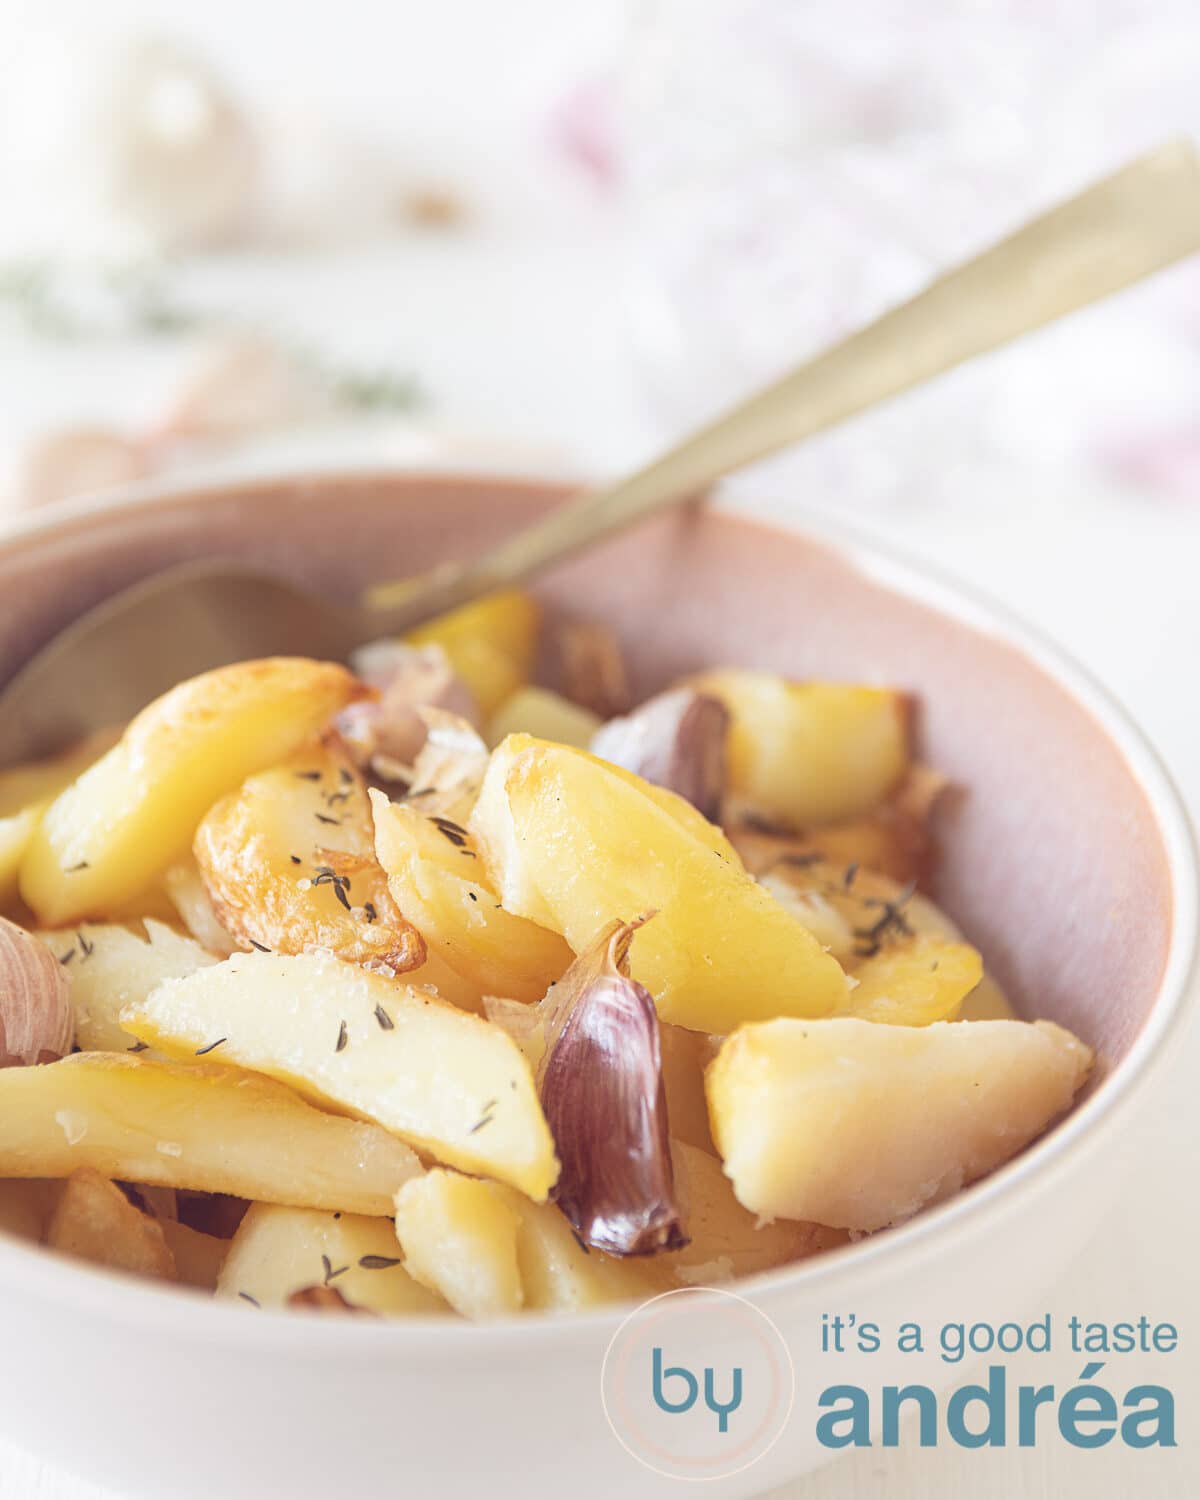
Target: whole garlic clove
[37, 1023]
[601, 1086]
[676, 740]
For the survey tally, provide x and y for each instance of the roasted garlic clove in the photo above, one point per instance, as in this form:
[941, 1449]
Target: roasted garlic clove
[601, 1087]
[676, 740]
[593, 669]
[407, 679]
[37, 1023]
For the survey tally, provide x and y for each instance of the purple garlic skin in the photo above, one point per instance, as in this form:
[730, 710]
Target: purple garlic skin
[37, 1023]
[601, 1087]
[676, 740]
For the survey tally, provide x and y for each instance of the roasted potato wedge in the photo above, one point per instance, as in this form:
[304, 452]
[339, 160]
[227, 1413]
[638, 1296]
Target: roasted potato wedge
[449, 1083]
[806, 753]
[25, 794]
[95, 1221]
[724, 1239]
[111, 967]
[289, 863]
[134, 813]
[560, 1274]
[545, 715]
[436, 877]
[193, 905]
[277, 1252]
[490, 642]
[893, 838]
[857, 1125]
[924, 981]
[193, 1125]
[573, 843]
[856, 913]
[459, 1237]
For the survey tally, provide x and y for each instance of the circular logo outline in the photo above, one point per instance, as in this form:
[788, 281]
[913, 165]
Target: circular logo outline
[770, 1348]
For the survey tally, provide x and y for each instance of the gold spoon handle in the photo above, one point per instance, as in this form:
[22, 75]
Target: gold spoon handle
[1114, 233]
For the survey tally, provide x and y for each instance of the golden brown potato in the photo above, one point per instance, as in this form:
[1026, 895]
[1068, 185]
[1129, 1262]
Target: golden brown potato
[545, 715]
[560, 1274]
[573, 843]
[451, 1084]
[193, 1125]
[490, 643]
[25, 794]
[95, 1221]
[892, 838]
[924, 981]
[436, 877]
[279, 1251]
[459, 1237]
[111, 967]
[725, 1239]
[806, 753]
[189, 896]
[289, 863]
[859, 1125]
[133, 814]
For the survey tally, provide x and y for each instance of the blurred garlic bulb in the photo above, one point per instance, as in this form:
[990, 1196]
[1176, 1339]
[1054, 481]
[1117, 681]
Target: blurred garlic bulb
[77, 461]
[37, 1023]
[123, 146]
[241, 385]
[181, 158]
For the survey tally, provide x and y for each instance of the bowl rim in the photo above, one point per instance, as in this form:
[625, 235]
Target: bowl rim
[111, 1297]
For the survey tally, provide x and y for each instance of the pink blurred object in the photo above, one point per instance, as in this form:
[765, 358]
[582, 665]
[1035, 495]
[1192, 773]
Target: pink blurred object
[583, 130]
[78, 461]
[1167, 462]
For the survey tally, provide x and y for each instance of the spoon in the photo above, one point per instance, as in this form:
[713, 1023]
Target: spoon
[188, 619]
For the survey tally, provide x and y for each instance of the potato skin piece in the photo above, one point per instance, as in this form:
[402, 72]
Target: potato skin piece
[289, 863]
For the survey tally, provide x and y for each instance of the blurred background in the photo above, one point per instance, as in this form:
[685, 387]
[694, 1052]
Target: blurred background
[546, 235]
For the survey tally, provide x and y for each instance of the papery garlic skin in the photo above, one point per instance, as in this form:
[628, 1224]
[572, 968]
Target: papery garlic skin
[677, 741]
[37, 1023]
[409, 679]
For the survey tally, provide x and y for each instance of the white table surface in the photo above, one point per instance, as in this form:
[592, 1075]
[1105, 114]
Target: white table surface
[525, 342]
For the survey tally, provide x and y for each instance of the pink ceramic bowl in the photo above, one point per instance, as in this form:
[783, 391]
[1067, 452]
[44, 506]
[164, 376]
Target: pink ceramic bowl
[1066, 857]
